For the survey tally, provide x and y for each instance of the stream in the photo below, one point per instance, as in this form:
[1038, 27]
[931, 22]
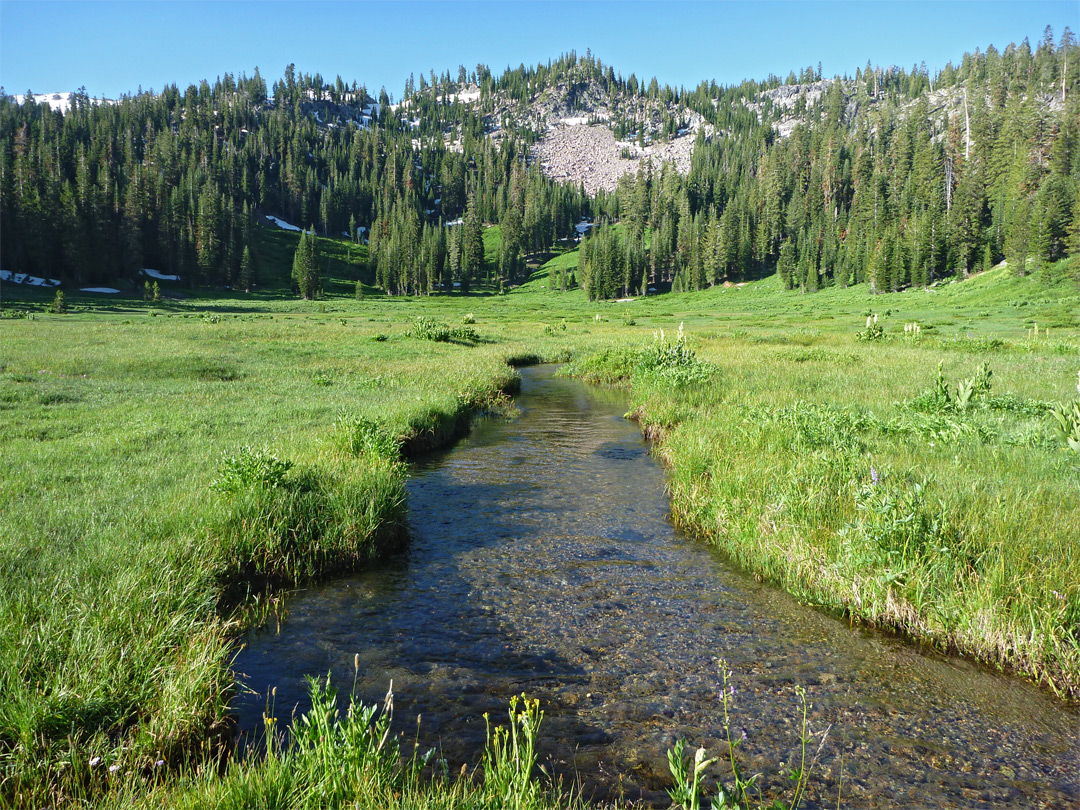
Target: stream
[541, 561]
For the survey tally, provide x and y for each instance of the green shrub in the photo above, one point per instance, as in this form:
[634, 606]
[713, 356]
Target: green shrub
[251, 468]
[363, 437]
[425, 328]
[966, 394]
[1067, 417]
[874, 331]
[672, 362]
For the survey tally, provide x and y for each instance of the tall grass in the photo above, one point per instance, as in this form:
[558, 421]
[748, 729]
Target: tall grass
[359, 760]
[159, 475]
[951, 517]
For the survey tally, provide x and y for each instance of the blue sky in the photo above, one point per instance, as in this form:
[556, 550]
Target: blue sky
[116, 47]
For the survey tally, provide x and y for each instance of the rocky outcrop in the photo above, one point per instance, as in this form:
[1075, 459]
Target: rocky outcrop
[576, 123]
[591, 156]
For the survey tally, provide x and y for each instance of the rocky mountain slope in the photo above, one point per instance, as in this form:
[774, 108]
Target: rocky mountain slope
[577, 124]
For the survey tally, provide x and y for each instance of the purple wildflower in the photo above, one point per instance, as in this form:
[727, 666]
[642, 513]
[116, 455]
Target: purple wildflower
[873, 476]
[95, 762]
[114, 768]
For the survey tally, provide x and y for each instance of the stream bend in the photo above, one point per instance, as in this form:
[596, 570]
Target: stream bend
[542, 561]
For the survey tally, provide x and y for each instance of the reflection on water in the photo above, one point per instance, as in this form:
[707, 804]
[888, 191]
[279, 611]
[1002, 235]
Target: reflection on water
[542, 562]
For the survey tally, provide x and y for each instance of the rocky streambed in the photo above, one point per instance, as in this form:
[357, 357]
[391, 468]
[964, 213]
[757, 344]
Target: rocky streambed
[542, 561]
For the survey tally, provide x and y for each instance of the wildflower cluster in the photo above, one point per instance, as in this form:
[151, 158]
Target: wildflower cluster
[673, 361]
[874, 331]
[429, 329]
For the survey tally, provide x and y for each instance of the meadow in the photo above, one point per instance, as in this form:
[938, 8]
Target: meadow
[172, 467]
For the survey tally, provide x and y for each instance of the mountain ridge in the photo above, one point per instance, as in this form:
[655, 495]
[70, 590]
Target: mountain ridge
[894, 178]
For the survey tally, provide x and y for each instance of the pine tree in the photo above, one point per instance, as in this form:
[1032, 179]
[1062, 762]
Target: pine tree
[210, 236]
[472, 246]
[1017, 242]
[785, 266]
[305, 270]
[249, 274]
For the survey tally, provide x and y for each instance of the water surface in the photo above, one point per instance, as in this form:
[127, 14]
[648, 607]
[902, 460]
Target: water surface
[542, 561]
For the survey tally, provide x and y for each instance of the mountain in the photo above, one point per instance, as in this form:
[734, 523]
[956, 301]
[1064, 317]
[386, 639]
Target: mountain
[892, 177]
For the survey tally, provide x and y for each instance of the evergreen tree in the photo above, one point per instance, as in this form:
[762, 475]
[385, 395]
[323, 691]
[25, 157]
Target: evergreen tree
[305, 270]
[472, 246]
[249, 274]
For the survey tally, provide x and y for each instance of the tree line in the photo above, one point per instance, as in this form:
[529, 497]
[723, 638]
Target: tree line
[891, 179]
[178, 181]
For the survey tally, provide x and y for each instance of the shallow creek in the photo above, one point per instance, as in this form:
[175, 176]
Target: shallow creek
[541, 561]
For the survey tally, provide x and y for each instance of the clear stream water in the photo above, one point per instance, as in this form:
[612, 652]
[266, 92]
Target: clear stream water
[542, 561]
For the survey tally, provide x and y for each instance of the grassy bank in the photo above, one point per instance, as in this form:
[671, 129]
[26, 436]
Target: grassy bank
[160, 472]
[939, 503]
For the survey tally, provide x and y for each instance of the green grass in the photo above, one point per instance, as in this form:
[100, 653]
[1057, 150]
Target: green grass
[823, 464]
[125, 572]
[492, 246]
[118, 573]
[358, 761]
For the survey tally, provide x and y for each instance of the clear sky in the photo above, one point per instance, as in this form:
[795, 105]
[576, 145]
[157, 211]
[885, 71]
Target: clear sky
[116, 47]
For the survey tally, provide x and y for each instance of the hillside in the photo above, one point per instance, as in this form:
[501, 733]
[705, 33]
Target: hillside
[894, 178]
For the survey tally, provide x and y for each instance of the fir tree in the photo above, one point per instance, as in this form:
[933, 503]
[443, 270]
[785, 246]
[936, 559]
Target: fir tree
[249, 274]
[305, 269]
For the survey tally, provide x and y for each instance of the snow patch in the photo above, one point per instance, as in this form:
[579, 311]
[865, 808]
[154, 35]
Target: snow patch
[59, 102]
[465, 97]
[159, 275]
[577, 121]
[23, 278]
[109, 290]
[285, 226]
